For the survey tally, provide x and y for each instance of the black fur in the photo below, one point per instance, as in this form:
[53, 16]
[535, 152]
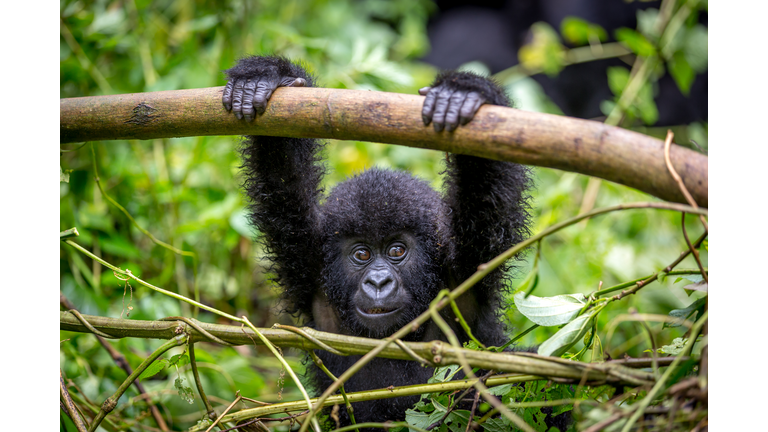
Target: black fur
[373, 255]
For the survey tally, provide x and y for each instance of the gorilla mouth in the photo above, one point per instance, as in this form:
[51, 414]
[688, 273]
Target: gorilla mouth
[376, 311]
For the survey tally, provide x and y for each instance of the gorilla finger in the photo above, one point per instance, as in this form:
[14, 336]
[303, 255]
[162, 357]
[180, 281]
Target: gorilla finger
[292, 82]
[424, 90]
[267, 96]
[429, 106]
[454, 106]
[226, 97]
[264, 91]
[471, 104]
[237, 98]
[441, 107]
[248, 91]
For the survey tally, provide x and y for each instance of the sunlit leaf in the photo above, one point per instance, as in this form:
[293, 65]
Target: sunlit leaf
[550, 311]
[567, 336]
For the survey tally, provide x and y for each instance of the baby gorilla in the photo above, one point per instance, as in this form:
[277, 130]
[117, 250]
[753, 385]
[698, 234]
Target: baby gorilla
[383, 243]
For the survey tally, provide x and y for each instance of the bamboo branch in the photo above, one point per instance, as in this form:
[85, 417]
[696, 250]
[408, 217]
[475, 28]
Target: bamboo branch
[499, 133]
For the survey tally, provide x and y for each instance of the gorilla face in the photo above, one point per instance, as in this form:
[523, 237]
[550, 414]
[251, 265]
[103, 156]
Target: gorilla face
[379, 295]
[378, 285]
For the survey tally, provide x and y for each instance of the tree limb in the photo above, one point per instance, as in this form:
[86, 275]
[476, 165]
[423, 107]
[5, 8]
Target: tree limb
[439, 353]
[500, 133]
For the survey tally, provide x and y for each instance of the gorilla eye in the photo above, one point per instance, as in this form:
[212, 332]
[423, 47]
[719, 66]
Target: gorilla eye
[362, 254]
[396, 251]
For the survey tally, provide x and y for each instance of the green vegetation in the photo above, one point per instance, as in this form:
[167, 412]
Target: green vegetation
[185, 193]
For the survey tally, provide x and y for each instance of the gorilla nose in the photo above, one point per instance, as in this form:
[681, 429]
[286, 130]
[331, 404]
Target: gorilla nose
[379, 284]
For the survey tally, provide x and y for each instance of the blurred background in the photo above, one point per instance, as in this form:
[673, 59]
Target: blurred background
[555, 56]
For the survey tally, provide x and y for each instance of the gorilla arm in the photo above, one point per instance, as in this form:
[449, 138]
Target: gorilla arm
[281, 178]
[488, 199]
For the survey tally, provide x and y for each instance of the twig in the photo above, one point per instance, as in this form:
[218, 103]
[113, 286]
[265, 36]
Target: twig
[119, 359]
[69, 406]
[224, 413]
[458, 399]
[67, 234]
[193, 362]
[640, 284]
[693, 250]
[111, 402]
[422, 361]
[309, 337]
[343, 392]
[472, 411]
[678, 179]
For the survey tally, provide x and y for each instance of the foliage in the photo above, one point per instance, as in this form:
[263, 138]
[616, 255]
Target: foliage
[186, 193]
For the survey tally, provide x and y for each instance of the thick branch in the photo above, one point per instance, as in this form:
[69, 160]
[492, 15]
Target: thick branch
[439, 353]
[499, 133]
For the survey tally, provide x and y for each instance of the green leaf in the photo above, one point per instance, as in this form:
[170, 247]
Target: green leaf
[457, 420]
[63, 175]
[696, 48]
[443, 374]
[567, 336]
[500, 390]
[636, 42]
[676, 348]
[580, 32]
[495, 425]
[646, 23]
[682, 72]
[645, 105]
[693, 278]
[550, 311]
[545, 52]
[154, 369]
[179, 360]
[618, 78]
[689, 313]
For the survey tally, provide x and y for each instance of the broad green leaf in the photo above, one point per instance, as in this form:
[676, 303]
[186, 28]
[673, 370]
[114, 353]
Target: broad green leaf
[682, 72]
[154, 369]
[689, 313]
[550, 311]
[635, 41]
[457, 420]
[500, 390]
[495, 425]
[567, 336]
